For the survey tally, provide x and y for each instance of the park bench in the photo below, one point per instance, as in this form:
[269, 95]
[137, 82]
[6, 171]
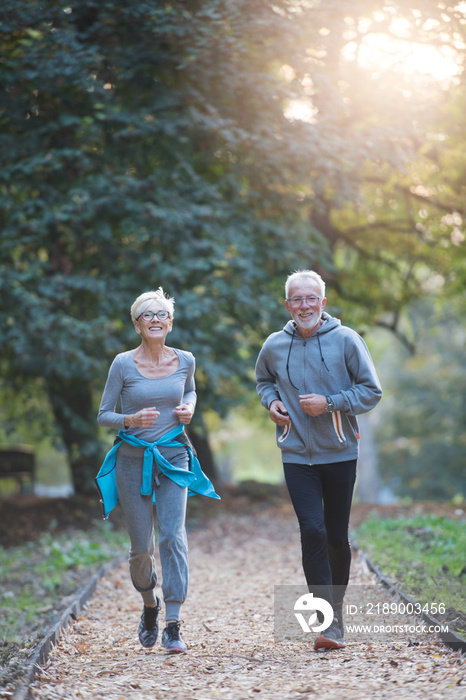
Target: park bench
[18, 463]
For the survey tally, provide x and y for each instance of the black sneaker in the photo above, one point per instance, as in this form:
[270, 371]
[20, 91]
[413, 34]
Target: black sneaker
[148, 629]
[330, 638]
[171, 639]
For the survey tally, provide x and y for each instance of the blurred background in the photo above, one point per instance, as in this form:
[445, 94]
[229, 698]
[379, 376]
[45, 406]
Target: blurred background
[213, 148]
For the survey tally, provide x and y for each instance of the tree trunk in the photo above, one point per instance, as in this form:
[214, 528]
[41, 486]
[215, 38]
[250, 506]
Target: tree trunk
[73, 408]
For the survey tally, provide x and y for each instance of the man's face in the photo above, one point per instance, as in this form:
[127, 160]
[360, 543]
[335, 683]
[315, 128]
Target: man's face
[305, 314]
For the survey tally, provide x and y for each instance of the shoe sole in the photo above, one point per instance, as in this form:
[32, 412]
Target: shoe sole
[324, 643]
[176, 650]
[148, 646]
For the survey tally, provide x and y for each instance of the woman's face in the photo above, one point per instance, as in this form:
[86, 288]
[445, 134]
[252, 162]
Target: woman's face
[155, 327]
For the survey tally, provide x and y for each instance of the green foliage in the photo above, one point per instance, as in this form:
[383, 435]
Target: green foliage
[35, 418]
[244, 445]
[403, 235]
[421, 421]
[135, 153]
[426, 554]
[154, 143]
[34, 575]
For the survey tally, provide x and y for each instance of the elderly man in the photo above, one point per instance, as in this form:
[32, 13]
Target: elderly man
[314, 377]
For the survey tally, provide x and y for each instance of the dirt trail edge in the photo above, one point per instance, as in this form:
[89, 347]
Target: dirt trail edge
[235, 561]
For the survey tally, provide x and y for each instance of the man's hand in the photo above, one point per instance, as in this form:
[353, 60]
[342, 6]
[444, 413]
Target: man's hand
[278, 413]
[313, 404]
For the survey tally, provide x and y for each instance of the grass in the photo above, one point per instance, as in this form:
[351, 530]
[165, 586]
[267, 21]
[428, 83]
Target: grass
[36, 576]
[425, 554]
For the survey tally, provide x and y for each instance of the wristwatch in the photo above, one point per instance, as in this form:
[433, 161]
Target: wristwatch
[330, 407]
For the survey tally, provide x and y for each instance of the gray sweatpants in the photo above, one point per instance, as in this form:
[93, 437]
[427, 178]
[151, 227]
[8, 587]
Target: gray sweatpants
[139, 518]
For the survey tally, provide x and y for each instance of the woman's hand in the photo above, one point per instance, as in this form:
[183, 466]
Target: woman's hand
[185, 412]
[143, 418]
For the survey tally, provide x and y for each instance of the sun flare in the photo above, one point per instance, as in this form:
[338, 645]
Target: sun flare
[398, 52]
[411, 53]
[382, 53]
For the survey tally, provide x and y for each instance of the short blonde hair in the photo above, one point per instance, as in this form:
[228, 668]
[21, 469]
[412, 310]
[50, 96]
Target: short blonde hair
[145, 300]
[304, 275]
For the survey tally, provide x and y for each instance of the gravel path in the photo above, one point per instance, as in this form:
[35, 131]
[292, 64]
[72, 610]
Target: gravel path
[229, 628]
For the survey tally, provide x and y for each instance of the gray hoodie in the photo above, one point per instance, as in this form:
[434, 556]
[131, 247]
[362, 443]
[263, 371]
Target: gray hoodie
[334, 361]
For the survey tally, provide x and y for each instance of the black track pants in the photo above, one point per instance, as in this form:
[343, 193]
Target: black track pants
[321, 496]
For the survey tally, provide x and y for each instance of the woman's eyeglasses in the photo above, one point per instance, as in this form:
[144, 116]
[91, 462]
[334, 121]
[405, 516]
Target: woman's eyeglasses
[148, 316]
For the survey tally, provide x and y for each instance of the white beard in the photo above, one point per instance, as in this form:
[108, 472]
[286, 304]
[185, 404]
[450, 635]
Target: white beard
[308, 320]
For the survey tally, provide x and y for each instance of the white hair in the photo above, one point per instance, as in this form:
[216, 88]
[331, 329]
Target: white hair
[145, 300]
[304, 275]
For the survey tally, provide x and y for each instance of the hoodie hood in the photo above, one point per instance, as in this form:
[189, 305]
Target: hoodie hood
[329, 324]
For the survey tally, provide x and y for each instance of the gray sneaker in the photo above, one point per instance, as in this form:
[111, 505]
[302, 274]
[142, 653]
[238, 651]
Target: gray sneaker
[171, 639]
[331, 638]
[338, 618]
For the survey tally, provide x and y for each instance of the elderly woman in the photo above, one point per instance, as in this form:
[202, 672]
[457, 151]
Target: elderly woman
[152, 461]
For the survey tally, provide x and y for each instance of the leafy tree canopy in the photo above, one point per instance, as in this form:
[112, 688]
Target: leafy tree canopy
[422, 427]
[157, 143]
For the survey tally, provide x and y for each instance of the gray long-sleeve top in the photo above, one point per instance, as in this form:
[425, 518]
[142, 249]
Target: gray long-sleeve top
[136, 392]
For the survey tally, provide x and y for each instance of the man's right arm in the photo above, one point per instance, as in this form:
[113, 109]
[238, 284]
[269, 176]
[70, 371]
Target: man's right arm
[267, 390]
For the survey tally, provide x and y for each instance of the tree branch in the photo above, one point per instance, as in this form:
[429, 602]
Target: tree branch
[402, 337]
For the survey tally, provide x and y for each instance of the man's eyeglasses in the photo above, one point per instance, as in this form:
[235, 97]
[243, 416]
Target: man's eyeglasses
[297, 301]
[147, 316]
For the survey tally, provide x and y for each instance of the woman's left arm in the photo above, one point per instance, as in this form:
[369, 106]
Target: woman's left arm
[185, 410]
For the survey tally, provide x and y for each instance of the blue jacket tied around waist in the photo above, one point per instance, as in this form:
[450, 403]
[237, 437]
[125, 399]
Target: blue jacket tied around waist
[193, 479]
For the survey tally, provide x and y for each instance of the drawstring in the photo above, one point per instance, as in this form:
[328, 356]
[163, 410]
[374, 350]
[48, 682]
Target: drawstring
[321, 355]
[288, 363]
[288, 359]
